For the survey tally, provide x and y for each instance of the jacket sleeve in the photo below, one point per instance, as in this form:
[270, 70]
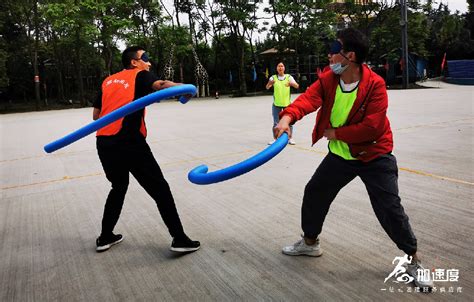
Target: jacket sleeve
[372, 125]
[306, 103]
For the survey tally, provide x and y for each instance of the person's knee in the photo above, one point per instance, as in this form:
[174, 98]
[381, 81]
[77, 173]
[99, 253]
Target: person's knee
[120, 187]
[309, 188]
[316, 183]
[311, 191]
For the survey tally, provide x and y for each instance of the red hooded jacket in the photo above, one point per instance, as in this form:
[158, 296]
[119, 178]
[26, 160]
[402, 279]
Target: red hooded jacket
[367, 130]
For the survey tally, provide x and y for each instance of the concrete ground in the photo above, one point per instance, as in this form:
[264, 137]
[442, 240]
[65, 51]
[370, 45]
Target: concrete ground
[51, 208]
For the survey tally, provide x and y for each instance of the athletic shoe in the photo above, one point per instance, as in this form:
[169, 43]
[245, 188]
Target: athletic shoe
[271, 142]
[422, 279]
[106, 243]
[291, 142]
[301, 248]
[184, 245]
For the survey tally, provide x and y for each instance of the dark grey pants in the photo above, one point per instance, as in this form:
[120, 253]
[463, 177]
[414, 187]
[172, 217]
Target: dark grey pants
[380, 178]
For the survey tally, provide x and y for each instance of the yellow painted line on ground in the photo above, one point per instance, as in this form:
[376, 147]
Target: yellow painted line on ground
[56, 154]
[433, 124]
[101, 173]
[309, 150]
[436, 176]
[22, 158]
[205, 158]
[177, 139]
[51, 181]
[45, 155]
[403, 169]
[227, 155]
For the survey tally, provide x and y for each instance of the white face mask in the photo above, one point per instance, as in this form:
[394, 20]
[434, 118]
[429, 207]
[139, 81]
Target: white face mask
[337, 68]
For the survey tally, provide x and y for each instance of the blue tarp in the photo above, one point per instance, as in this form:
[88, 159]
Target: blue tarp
[461, 69]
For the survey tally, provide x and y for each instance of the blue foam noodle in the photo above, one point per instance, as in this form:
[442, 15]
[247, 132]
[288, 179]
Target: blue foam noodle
[200, 176]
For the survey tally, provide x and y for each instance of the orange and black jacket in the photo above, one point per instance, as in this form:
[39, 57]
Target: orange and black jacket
[118, 90]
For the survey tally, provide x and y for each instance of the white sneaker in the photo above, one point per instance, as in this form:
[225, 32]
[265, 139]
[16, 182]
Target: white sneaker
[271, 142]
[301, 248]
[422, 279]
[291, 142]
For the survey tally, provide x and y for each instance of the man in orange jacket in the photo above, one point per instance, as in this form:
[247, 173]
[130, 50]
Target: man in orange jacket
[122, 149]
[352, 102]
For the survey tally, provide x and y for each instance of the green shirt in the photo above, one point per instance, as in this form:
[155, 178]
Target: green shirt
[340, 112]
[281, 92]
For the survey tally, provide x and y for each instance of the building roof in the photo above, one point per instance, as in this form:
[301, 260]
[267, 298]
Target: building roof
[274, 51]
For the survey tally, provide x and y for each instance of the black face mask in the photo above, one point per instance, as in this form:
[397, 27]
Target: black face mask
[144, 58]
[335, 47]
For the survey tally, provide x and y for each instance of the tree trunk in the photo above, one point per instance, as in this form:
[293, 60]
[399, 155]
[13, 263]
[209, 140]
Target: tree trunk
[35, 57]
[77, 65]
[176, 6]
[77, 61]
[243, 83]
[216, 71]
[107, 51]
[59, 68]
[297, 69]
[191, 29]
[107, 54]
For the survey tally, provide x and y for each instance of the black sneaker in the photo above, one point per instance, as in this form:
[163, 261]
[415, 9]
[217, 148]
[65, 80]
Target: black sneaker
[104, 244]
[184, 244]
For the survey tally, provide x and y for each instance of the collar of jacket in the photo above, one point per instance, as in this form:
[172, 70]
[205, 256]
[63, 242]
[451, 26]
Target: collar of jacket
[365, 86]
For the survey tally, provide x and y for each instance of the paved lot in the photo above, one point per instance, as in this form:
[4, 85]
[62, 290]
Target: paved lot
[51, 207]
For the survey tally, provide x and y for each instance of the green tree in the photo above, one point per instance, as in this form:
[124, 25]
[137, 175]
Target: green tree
[305, 26]
[449, 33]
[380, 21]
[4, 80]
[180, 38]
[112, 19]
[74, 21]
[237, 19]
[20, 31]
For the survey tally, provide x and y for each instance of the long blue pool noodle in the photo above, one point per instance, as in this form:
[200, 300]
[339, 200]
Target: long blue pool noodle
[121, 112]
[200, 176]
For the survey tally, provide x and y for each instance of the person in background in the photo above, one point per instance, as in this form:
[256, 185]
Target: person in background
[281, 84]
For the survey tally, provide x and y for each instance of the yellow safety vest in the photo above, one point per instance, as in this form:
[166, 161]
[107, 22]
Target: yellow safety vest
[281, 93]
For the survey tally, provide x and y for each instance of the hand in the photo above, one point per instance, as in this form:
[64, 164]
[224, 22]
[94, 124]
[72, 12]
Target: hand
[269, 84]
[330, 134]
[95, 113]
[160, 84]
[186, 98]
[282, 126]
[288, 84]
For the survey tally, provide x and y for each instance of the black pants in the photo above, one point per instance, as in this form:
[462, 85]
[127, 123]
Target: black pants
[118, 160]
[380, 178]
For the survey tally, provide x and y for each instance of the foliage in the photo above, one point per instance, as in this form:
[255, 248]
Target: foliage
[308, 19]
[4, 80]
[79, 41]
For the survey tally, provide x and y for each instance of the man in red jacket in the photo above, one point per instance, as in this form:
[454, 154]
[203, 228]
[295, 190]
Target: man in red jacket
[352, 102]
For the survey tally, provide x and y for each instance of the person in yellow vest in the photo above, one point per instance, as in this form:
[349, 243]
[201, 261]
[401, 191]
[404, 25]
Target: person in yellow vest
[281, 84]
[122, 150]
